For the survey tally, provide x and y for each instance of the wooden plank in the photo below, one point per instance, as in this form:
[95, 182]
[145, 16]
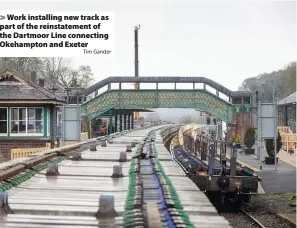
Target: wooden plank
[11, 172]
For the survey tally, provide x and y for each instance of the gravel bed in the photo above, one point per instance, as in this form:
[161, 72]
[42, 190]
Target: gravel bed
[264, 208]
[239, 220]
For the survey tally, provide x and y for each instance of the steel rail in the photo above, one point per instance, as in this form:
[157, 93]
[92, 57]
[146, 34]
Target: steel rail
[253, 218]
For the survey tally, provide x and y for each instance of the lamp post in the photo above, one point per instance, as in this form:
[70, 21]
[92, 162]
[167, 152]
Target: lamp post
[136, 62]
[275, 135]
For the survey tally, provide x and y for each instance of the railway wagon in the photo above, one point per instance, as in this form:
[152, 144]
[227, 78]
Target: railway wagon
[203, 159]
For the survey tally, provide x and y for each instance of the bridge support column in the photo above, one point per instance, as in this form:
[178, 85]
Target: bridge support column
[110, 122]
[132, 119]
[92, 127]
[115, 120]
[125, 120]
[129, 120]
[121, 121]
[53, 121]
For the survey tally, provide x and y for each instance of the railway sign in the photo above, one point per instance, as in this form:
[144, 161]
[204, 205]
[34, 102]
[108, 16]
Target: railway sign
[242, 108]
[71, 123]
[267, 120]
[237, 108]
[267, 127]
[247, 108]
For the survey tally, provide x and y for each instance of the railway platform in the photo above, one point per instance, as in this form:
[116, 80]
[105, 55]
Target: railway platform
[84, 195]
[280, 181]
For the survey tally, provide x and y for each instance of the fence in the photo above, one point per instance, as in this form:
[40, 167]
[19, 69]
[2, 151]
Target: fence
[25, 152]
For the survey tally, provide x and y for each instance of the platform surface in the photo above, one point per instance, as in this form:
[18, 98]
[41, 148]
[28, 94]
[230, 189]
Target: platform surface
[273, 181]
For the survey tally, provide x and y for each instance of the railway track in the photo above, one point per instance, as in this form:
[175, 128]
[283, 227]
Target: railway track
[150, 195]
[261, 219]
[152, 200]
[254, 220]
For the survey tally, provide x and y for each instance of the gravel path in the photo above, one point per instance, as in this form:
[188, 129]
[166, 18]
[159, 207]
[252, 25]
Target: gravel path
[264, 208]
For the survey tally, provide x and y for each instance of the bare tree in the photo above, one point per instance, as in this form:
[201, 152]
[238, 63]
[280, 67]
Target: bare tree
[81, 77]
[56, 68]
[84, 76]
[281, 82]
[23, 66]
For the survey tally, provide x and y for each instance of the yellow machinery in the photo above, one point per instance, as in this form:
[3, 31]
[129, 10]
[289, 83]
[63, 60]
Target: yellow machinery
[178, 140]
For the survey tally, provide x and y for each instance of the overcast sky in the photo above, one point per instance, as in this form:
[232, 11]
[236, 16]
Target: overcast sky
[226, 41]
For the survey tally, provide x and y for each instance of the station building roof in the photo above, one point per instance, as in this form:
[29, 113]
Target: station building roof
[15, 88]
[288, 100]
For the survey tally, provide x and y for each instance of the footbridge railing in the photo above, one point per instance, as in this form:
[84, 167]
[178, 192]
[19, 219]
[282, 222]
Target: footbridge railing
[205, 81]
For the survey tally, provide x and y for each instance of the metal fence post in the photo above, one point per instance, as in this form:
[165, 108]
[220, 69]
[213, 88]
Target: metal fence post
[275, 135]
[259, 134]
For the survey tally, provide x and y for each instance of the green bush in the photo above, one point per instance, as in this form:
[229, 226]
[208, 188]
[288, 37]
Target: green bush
[249, 139]
[269, 144]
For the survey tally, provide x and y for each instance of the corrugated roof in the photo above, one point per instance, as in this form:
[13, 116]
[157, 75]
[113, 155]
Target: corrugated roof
[288, 100]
